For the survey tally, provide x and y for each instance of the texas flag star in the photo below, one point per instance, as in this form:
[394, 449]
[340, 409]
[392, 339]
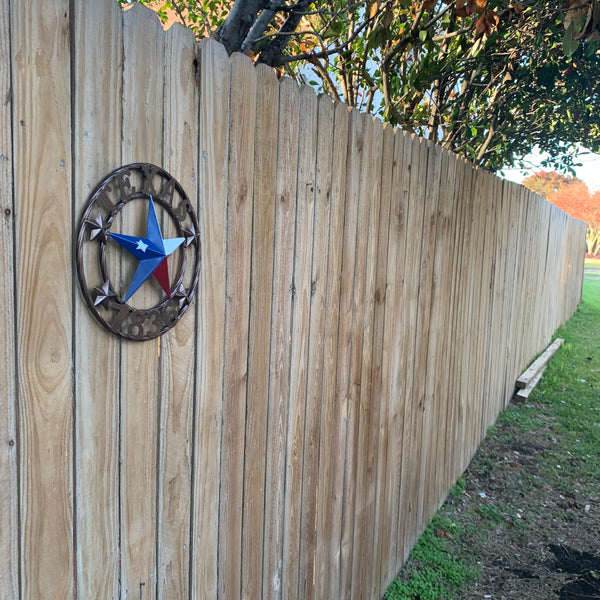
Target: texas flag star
[151, 251]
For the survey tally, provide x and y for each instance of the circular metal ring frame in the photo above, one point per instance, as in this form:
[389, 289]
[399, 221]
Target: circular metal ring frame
[105, 302]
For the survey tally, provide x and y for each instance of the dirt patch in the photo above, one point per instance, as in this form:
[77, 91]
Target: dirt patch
[535, 536]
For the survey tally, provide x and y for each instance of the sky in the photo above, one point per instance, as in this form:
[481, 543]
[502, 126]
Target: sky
[588, 172]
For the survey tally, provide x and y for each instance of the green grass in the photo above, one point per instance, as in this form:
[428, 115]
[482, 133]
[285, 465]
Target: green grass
[566, 403]
[438, 574]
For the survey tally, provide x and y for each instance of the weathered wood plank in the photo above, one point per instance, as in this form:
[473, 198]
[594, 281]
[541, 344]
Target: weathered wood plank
[357, 192]
[301, 305]
[367, 406]
[426, 350]
[323, 561]
[342, 415]
[287, 161]
[40, 41]
[442, 304]
[315, 399]
[237, 306]
[214, 85]
[178, 383]
[143, 43]
[525, 378]
[393, 398]
[378, 440]
[97, 150]
[410, 357]
[9, 483]
[524, 393]
[452, 451]
[263, 241]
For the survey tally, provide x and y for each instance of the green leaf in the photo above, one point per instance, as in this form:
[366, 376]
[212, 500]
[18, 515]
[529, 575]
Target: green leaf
[423, 35]
[570, 44]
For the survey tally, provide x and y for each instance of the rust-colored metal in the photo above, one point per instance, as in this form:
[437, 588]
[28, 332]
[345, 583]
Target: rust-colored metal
[104, 297]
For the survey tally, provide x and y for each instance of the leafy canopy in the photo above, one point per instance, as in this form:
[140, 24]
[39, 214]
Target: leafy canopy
[487, 79]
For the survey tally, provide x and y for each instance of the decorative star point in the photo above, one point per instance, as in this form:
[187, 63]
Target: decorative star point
[104, 294]
[97, 228]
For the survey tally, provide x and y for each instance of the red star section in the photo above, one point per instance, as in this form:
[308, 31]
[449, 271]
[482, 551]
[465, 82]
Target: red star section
[161, 274]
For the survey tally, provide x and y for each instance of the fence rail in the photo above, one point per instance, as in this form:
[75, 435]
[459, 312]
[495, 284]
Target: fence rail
[366, 301]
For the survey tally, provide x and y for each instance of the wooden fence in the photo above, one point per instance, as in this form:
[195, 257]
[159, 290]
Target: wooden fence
[366, 301]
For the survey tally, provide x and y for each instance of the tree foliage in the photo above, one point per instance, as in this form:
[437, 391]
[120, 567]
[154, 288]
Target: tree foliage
[487, 79]
[574, 197]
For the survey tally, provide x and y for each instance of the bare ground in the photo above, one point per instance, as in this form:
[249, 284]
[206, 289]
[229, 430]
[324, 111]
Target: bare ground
[533, 530]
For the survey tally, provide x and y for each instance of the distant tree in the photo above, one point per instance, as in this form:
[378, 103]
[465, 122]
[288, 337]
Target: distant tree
[545, 183]
[577, 201]
[573, 196]
[486, 79]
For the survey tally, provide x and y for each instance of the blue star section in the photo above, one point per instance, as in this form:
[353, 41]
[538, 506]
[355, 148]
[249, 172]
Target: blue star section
[151, 251]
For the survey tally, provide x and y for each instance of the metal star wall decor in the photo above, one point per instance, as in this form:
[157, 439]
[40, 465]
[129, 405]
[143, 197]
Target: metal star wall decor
[110, 247]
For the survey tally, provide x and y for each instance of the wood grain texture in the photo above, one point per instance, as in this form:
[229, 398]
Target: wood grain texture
[279, 374]
[316, 344]
[214, 85]
[9, 482]
[323, 564]
[342, 408]
[142, 140]
[367, 406]
[259, 345]
[97, 139]
[441, 308]
[451, 441]
[42, 135]
[300, 333]
[358, 191]
[392, 397]
[413, 409]
[178, 384]
[426, 350]
[237, 307]
[379, 399]
[525, 378]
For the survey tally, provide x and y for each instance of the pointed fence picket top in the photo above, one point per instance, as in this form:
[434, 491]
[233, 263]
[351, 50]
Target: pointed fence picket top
[365, 303]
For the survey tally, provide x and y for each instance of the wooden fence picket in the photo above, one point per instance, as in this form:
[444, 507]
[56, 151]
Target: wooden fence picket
[178, 383]
[213, 168]
[41, 129]
[263, 242]
[9, 482]
[98, 34]
[280, 354]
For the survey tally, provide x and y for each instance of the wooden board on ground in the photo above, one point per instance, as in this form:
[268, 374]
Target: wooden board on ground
[526, 377]
[524, 393]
